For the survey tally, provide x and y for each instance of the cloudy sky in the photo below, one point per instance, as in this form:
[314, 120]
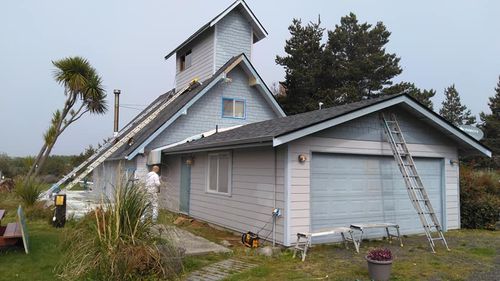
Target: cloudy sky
[439, 42]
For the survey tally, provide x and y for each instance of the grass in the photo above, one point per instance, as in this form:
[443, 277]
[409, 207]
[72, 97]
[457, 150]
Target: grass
[472, 251]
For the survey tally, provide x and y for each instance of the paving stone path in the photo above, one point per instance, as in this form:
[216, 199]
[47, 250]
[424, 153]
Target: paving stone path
[219, 270]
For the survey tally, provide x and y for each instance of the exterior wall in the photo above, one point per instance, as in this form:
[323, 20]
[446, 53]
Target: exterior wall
[202, 66]
[207, 112]
[234, 36]
[255, 172]
[107, 175]
[364, 136]
[170, 179]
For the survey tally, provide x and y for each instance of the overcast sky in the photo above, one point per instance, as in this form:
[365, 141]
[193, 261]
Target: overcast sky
[439, 42]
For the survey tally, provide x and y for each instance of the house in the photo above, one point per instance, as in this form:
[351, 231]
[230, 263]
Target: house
[229, 92]
[229, 155]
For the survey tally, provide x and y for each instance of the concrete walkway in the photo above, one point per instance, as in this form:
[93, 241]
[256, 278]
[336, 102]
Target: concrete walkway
[193, 244]
[219, 270]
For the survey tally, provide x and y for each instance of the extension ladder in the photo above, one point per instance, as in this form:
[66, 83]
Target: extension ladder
[415, 187]
[95, 160]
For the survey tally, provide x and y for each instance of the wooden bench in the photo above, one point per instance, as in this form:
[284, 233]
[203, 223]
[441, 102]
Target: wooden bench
[15, 232]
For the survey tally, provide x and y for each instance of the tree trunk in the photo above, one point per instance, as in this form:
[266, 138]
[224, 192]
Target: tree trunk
[42, 159]
[35, 163]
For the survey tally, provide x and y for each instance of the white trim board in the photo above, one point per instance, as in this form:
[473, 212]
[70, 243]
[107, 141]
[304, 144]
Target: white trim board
[262, 31]
[374, 108]
[247, 66]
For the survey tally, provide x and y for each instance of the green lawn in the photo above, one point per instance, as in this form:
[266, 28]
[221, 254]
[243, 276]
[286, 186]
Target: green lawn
[473, 251]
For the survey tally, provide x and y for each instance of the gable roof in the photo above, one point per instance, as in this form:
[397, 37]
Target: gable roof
[258, 29]
[283, 130]
[180, 105]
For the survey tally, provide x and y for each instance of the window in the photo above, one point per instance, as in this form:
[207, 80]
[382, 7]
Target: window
[186, 60]
[233, 108]
[219, 173]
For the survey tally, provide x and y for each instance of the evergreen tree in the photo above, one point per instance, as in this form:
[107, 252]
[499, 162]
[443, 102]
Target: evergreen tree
[302, 66]
[491, 125]
[356, 63]
[453, 110]
[423, 96]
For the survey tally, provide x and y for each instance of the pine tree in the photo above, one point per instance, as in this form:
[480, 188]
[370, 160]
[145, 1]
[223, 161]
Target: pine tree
[302, 66]
[453, 110]
[491, 125]
[423, 96]
[357, 65]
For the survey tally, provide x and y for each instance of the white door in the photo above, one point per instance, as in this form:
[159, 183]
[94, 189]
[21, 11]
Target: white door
[347, 189]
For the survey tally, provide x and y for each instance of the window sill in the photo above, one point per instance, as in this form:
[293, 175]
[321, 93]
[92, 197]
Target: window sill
[231, 117]
[218, 193]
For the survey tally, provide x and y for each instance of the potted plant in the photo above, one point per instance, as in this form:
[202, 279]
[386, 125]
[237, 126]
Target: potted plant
[379, 264]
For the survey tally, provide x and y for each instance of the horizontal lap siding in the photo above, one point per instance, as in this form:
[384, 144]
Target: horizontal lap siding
[206, 113]
[233, 37]
[107, 175]
[170, 183]
[349, 141]
[251, 202]
[202, 66]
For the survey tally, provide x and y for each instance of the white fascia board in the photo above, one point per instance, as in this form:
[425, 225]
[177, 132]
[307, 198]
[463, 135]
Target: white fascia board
[261, 29]
[376, 107]
[335, 121]
[452, 129]
[182, 111]
[263, 88]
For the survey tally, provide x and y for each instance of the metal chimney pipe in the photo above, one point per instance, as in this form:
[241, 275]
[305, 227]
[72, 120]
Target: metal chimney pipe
[117, 111]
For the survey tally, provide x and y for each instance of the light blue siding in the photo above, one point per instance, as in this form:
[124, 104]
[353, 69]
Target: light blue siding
[207, 112]
[233, 37]
[202, 66]
[108, 174]
[368, 128]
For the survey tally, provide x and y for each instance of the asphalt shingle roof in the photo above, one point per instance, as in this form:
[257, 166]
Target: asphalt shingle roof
[267, 130]
[165, 115]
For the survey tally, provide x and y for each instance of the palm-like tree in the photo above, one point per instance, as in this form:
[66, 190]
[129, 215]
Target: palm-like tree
[84, 93]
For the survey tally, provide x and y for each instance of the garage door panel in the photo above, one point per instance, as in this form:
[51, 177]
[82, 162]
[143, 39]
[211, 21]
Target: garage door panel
[348, 189]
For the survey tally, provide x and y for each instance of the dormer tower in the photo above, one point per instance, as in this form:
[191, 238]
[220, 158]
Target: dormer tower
[229, 34]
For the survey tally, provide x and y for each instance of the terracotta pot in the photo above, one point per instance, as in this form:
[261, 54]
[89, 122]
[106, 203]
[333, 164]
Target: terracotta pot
[379, 270]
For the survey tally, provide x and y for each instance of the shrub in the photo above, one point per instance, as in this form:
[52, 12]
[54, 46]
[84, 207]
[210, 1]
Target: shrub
[115, 243]
[479, 198]
[28, 191]
[379, 254]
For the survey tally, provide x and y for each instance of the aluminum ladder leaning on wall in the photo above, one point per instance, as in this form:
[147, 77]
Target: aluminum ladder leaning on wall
[95, 160]
[415, 187]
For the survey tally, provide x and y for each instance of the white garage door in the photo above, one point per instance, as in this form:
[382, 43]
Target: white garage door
[348, 189]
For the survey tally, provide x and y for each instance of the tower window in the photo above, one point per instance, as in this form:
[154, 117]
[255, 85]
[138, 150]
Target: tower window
[186, 60]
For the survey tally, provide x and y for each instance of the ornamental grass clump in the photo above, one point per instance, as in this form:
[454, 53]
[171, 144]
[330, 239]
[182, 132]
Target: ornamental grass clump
[114, 242]
[28, 191]
[379, 254]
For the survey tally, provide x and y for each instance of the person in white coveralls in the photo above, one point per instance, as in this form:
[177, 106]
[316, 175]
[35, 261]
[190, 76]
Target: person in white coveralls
[153, 188]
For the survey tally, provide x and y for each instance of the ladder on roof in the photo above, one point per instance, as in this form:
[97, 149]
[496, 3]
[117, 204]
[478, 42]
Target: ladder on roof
[98, 158]
[415, 187]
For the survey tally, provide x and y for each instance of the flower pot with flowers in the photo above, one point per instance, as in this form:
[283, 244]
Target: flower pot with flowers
[379, 264]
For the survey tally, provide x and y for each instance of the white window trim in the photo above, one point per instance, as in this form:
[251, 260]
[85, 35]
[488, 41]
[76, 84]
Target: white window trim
[233, 116]
[230, 174]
